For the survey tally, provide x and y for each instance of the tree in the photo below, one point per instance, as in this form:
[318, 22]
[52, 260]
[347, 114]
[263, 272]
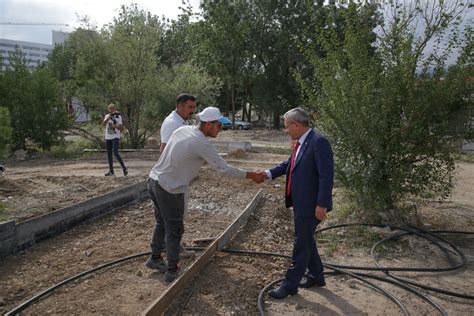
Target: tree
[386, 105]
[174, 80]
[222, 47]
[49, 120]
[122, 63]
[277, 29]
[5, 131]
[33, 100]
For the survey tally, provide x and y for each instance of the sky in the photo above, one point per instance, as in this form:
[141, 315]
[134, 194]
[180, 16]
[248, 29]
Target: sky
[66, 12]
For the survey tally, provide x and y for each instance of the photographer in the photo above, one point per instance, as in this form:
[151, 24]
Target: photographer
[113, 127]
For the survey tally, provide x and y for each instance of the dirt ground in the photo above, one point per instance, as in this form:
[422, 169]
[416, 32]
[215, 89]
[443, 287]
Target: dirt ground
[230, 283]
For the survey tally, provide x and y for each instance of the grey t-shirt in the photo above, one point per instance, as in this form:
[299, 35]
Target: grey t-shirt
[185, 152]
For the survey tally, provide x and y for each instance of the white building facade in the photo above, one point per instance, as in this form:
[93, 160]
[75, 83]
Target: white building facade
[34, 53]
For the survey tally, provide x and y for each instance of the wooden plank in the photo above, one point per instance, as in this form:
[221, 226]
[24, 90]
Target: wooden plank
[160, 305]
[233, 228]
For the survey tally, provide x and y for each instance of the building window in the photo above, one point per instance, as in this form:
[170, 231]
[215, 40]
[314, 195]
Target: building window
[31, 47]
[8, 45]
[35, 55]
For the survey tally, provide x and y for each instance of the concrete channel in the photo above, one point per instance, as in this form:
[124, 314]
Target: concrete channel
[17, 236]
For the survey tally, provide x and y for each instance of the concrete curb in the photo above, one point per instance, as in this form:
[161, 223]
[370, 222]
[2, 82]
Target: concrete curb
[231, 146]
[17, 236]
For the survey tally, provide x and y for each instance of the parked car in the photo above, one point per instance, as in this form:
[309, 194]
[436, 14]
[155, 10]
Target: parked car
[226, 123]
[242, 125]
[238, 124]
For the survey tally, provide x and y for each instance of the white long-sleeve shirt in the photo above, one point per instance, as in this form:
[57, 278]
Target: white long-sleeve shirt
[185, 152]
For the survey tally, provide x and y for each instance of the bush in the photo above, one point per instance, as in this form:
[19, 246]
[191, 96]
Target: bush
[5, 131]
[387, 109]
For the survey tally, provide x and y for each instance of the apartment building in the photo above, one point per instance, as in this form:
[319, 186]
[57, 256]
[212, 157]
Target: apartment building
[35, 53]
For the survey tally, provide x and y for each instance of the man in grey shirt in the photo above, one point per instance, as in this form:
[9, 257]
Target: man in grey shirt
[187, 150]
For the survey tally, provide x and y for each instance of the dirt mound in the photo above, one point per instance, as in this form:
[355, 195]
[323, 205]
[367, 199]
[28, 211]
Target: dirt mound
[8, 186]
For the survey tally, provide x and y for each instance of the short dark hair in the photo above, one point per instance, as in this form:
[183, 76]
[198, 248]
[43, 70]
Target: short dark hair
[184, 97]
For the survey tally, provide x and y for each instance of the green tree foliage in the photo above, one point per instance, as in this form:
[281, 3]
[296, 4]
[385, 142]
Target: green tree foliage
[33, 100]
[278, 28]
[222, 47]
[48, 115]
[122, 64]
[387, 105]
[5, 131]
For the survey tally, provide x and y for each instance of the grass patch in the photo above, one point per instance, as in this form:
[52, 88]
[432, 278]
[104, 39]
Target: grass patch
[3, 212]
[351, 237]
[464, 157]
[70, 149]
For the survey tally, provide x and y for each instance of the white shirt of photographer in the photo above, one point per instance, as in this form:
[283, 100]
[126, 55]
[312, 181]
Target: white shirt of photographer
[110, 132]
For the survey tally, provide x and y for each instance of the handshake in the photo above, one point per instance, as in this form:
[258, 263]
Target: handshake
[258, 176]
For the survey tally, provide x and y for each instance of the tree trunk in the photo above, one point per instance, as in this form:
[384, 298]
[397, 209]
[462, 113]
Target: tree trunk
[276, 119]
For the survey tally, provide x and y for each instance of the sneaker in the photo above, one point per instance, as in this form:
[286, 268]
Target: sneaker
[184, 253]
[109, 174]
[171, 275]
[157, 264]
[125, 172]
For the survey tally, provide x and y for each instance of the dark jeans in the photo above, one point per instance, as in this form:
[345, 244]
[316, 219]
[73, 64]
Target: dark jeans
[169, 209]
[113, 146]
[305, 253]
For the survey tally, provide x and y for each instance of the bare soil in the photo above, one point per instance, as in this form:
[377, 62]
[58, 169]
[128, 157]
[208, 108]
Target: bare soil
[230, 283]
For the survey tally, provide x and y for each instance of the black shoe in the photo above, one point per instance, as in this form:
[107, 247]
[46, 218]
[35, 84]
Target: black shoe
[308, 282]
[109, 174]
[125, 172]
[282, 292]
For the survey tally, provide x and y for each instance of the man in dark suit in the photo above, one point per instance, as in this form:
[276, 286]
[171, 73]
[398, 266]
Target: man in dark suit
[309, 182]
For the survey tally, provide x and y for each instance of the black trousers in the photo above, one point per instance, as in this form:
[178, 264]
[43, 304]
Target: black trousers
[113, 147]
[169, 228]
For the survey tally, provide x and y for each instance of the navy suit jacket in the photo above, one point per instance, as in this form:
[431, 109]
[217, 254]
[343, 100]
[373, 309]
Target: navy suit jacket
[312, 178]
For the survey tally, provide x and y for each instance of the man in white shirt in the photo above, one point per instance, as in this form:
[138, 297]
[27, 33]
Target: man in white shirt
[187, 150]
[185, 108]
[113, 127]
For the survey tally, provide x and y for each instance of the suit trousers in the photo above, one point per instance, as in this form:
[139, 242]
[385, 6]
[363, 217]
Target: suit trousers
[305, 253]
[169, 228]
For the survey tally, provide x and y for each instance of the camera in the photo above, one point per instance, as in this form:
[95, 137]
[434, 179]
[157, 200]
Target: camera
[114, 116]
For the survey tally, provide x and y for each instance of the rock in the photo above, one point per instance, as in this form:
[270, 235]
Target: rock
[353, 285]
[139, 273]
[20, 154]
[140, 297]
[2, 301]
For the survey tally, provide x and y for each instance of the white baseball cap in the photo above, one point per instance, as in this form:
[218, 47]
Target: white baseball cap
[210, 114]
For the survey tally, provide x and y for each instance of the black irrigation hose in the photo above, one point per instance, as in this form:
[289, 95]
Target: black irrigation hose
[419, 233]
[337, 268]
[426, 287]
[408, 288]
[260, 301]
[396, 280]
[40, 295]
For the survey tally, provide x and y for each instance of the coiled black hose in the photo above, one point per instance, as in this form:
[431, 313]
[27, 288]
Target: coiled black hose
[338, 269]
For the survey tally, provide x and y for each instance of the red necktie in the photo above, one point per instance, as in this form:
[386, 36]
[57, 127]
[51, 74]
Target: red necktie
[295, 150]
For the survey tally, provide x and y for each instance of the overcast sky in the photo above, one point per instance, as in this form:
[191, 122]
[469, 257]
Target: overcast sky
[66, 11]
